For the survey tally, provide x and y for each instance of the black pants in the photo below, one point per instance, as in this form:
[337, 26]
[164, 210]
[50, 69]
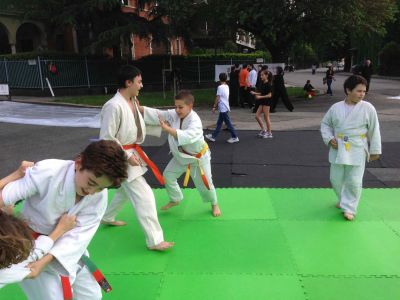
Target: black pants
[244, 95]
[281, 93]
[234, 95]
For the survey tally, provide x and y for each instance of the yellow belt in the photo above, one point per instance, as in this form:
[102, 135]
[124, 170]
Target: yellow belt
[203, 176]
[346, 139]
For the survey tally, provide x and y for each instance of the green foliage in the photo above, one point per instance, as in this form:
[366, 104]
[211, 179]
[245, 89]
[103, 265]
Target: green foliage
[233, 55]
[42, 54]
[389, 59]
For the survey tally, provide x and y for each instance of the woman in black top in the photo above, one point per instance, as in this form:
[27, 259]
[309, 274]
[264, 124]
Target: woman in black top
[263, 98]
[329, 78]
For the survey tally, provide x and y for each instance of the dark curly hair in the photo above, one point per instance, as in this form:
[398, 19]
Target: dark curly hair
[16, 241]
[106, 158]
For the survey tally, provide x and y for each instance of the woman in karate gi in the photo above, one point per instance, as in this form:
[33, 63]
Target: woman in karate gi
[122, 122]
[346, 129]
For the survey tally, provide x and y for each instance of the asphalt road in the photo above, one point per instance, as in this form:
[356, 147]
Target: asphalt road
[295, 157]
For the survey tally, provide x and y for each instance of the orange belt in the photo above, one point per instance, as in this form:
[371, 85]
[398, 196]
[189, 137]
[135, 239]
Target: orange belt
[203, 176]
[147, 160]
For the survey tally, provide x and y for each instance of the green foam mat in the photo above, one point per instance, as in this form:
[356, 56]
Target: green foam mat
[268, 244]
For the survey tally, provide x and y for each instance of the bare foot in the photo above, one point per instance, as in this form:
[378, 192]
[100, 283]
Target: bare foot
[169, 205]
[337, 205]
[348, 216]
[215, 210]
[114, 223]
[162, 246]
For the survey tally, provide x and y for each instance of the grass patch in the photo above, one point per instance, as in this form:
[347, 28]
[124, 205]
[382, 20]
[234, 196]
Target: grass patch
[204, 97]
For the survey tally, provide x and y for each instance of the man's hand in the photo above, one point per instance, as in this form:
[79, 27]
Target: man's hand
[333, 143]
[373, 157]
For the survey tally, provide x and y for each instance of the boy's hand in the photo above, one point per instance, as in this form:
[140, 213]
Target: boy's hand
[373, 157]
[134, 160]
[333, 143]
[38, 266]
[214, 109]
[164, 124]
[66, 222]
[25, 165]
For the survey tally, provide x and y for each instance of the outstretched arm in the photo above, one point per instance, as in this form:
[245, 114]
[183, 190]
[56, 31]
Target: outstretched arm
[17, 174]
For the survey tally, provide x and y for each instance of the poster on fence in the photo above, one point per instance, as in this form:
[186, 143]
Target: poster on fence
[227, 69]
[4, 91]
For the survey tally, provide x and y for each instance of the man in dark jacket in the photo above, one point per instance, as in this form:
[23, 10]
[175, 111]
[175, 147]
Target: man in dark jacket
[366, 71]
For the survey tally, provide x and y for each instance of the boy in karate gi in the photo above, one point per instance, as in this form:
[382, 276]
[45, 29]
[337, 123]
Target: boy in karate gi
[346, 129]
[189, 150]
[122, 122]
[52, 188]
[17, 245]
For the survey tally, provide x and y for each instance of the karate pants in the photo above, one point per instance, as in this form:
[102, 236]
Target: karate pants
[346, 181]
[144, 204]
[47, 286]
[174, 170]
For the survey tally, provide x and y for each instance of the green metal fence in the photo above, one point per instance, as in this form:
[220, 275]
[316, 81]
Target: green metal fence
[67, 73]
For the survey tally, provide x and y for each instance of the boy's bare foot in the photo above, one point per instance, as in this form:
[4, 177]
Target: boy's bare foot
[337, 205]
[114, 223]
[348, 216]
[162, 246]
[169, 205]
[215, 210]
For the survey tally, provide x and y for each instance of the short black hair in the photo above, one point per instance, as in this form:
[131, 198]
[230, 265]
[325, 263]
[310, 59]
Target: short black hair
[127, 72]
[352, 81]
[223, 77]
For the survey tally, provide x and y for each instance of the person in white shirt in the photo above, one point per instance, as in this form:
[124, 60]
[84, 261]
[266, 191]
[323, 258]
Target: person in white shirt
[347, 128]
[189, 150]
[222, 103]
[52, 188]
[122, 122]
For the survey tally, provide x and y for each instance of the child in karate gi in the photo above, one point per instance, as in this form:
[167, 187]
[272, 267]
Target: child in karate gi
[189, 150]
[122, 122]
[52, 188]
[17, 245]
[346, 129]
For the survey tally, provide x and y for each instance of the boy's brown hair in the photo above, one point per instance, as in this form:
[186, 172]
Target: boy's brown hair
[105, 158]
[16, 241]
[186, 96]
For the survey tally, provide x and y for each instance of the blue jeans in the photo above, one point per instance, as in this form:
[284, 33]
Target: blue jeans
[224, 117]
[329, 83]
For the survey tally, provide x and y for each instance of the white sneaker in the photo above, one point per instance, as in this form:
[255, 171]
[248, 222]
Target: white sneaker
[261, 133]
[267, 135]
[233, 140]
[209, 137]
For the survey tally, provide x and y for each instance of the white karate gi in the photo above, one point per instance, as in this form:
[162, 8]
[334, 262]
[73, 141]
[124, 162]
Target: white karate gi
[18, 272]
[190, 140]
[120, 124]
[49, 192]
[348, 161]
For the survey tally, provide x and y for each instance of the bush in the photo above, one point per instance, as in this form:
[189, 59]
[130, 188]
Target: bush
[389, 58]
[48, 55]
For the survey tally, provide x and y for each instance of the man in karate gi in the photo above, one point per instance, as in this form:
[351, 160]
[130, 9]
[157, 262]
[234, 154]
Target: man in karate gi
[190, 151]
[122, 122]
[346, 129]
[52, 188]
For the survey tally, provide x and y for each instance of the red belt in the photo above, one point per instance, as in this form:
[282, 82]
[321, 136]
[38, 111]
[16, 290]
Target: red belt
[66, 284]
[147, 160]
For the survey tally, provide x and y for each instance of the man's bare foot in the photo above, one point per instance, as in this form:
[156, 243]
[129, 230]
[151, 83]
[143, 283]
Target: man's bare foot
[348, 216]
[215, 210]
[114, 223]
[162, 246]
[337, 205]
[169, 205]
